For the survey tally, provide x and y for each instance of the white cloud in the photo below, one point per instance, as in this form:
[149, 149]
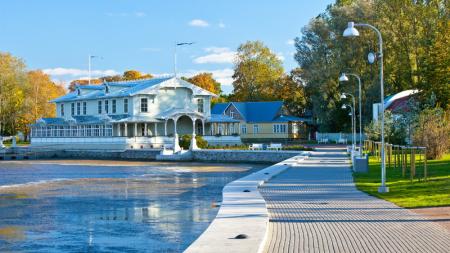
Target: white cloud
[216, 55]
[198, 23]
[223, 76]
[290, 42]
[78, 72]
[221, 25]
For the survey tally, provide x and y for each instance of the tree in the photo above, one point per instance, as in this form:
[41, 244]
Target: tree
[433, 132]
[134, 75]
[39, 90]
[257, 71]
[205, 81]
[291, 90]
[415, 54]
[12, 81]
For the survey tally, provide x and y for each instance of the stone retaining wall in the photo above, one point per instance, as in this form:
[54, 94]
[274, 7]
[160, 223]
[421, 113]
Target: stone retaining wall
[236, 156]
[261, 156]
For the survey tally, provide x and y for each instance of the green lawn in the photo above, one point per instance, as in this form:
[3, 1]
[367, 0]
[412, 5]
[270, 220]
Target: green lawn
[418, 193]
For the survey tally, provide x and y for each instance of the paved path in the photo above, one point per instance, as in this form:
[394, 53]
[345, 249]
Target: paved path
[314, 207]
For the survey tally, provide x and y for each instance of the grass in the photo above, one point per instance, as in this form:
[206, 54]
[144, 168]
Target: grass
[406, 193]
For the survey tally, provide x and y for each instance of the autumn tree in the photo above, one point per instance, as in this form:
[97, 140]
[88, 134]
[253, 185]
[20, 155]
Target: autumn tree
[39, 90]
[134, 75]
[257, 72]
[12, 82]
[205, 81]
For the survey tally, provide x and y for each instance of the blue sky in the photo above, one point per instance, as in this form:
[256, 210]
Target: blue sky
[58, 36]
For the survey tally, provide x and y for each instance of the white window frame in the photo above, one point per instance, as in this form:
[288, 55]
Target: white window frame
[144, 105]
[255, 129]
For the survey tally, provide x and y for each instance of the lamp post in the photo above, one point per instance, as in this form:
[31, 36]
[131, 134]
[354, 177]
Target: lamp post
[175, 55]
[351, 31]
[90, 57]
[344, 78]
[352, 115]
[353, 118]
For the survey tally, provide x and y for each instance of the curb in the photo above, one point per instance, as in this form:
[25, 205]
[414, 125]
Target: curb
[243, 212]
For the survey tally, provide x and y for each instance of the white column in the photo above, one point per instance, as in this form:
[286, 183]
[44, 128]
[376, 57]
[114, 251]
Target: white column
[156, 129]
[203, 127]
[135, 129]
[165, 127]
[145, 129]
[193, 145]
[176, 145]
[126, 130]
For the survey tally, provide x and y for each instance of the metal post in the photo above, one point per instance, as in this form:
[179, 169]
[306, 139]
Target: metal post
[383, 188]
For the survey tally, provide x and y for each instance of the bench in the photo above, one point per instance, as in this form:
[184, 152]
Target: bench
[323, 140]
[342, 141]
[256, 146]
[275, 146]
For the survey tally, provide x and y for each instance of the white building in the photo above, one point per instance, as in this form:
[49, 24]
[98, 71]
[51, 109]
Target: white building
[148, 113]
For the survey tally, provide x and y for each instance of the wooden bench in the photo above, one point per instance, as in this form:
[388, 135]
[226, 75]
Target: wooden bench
[256, 146]
[275, 146]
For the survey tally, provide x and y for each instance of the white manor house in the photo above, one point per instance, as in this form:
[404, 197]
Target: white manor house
[148, 113]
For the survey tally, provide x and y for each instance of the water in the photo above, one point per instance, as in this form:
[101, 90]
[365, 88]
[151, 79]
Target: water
[109, 206]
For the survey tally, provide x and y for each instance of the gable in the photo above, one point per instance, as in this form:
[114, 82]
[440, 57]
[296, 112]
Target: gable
[233, 112]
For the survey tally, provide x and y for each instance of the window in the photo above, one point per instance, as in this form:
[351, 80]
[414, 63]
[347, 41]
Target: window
[114, 106]
[62, 110]
[255, 129]
[279, 128]
[232, 114]
[84, 108]
[200, 105]
[125, 105]
[144, 105]
[78, 108]
[244, 129]
[99, 107]
[72, 111]
[106, 106]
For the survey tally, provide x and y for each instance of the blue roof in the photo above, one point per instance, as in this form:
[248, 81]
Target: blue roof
[254, 112]
[54, 121]
[129, 88]
[220, 118]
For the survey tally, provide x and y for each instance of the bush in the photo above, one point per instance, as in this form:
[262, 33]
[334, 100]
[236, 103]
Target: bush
[433, 132]
[185, 141]
[297, 147]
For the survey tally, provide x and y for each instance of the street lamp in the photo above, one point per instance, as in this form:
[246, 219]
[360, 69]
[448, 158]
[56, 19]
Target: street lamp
[351, 31]
[175, 54]
[344, 78]
[90, 57]
[344, 96]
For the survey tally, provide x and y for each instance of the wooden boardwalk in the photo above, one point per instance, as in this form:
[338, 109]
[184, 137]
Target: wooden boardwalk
[315, 207]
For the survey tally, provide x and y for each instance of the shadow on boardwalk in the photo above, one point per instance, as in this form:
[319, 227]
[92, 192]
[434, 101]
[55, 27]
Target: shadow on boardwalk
[315, 207]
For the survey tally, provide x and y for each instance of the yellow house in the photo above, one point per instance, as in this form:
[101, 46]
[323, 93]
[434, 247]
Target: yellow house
[263, 121]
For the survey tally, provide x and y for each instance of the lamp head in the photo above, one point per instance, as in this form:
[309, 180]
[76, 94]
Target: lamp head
[350, 31]
[343, 96]
[350, 114]
[344, 107]
[343, 78]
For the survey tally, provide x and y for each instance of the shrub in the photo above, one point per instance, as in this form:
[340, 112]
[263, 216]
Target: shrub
[433, 132]
[185, 141]
[297, 147]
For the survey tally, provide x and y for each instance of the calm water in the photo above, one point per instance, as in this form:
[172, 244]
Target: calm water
[88, 206]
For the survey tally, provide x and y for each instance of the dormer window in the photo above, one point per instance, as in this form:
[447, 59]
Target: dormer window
[78, 92]
[106, 89]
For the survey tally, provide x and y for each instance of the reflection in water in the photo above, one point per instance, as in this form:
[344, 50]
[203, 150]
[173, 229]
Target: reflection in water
[58, 206]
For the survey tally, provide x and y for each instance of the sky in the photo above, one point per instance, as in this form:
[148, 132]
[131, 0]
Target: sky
[58, 36]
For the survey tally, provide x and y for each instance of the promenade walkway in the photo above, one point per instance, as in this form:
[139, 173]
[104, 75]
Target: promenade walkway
[315, 207]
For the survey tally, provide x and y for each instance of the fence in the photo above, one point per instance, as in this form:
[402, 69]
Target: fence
[335, 137]
[410, 159]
